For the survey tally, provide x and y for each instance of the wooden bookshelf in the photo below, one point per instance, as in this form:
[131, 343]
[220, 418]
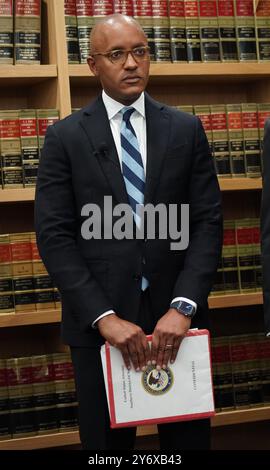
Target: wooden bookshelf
[30, 318]
[240, 184]
[235, 300]
[72, 437]
[226, 184]
[54, 315]
[12, 75]
[227, 418]
[17, 195]
[203, 71]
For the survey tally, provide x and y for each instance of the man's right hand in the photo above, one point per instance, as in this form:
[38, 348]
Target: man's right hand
[128, 338]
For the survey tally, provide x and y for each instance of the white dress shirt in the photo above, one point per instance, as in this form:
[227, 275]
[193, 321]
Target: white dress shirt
[138, 122]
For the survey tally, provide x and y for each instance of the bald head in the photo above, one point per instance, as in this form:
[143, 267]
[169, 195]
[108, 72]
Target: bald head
[102, 30]
[120, 57]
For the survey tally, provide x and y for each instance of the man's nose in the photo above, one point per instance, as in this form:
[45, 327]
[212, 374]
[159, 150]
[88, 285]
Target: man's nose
[130, 61]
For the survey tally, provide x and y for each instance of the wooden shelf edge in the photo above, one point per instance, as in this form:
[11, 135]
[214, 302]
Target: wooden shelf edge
[240, 184]
[30, 318]
[17, 195]
[184, 70]
[54, 316]
[226, 184]
[72, 437]
[235, 300]
[28, 71]
[226, 418]
[41, 442]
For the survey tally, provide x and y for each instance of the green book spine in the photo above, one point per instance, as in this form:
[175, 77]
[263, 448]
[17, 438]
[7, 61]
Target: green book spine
[142, 12]
[5, 425]
[6, 32]
[45, 118]
[85, 22]
[27, 28]
[209, 33]
[263, 114]
[177, 30]
[245, 30]
[29, 146]
[71, 32]
[44, 394]
[22, 407]
[245, 254]
[251, 139]
[220, 140]
[262, 23]
[227, 31]
[236, 140]
[22, 272]
[11, 149]
[6, 280]
[204, 113]
[161, 27]
[229, 259]
[193, 31]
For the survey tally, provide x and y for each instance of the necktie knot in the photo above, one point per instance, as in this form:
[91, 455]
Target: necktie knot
[127, 113]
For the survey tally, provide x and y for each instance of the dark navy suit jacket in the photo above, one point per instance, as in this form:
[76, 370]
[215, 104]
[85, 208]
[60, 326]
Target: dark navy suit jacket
[80, 165]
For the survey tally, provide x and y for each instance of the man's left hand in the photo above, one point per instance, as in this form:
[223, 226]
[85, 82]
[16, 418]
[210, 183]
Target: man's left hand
[167, 337]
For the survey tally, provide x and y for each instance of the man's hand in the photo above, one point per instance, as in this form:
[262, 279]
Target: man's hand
[128, 338]
[167, 337]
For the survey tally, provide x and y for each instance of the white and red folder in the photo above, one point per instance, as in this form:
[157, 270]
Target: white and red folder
[184, 391]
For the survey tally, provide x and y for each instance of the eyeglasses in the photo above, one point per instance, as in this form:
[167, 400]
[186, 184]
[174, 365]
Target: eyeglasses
[120, 56]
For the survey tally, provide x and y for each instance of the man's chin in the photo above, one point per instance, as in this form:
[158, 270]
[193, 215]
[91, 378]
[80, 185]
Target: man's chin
[132, 92]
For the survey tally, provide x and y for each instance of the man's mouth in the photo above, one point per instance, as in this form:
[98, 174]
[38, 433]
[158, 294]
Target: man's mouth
[131, 79]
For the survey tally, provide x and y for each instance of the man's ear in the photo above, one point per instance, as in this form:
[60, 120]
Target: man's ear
[92, 65]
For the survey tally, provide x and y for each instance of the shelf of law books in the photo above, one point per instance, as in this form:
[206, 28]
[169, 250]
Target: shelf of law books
[178, 32]
[39, 399]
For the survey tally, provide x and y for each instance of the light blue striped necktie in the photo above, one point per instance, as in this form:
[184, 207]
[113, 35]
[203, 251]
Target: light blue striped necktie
[132, 168]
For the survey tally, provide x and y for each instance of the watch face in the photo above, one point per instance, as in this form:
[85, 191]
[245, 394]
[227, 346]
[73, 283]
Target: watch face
[186, 308]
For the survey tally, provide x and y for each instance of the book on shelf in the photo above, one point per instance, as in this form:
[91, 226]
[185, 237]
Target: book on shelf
[209, 32]
[6, 32]
[29, 146]
[21, 399]
[241, 371]
[178, 40]
[220, 140]
[262, 25]
[22, 134]
[37, 395]
[161, 27]
[182, 391]
[27, 28]
[25, 285]
[236, 140]
[245, 30]
[71, 25]
[44, 394]
[227, 31]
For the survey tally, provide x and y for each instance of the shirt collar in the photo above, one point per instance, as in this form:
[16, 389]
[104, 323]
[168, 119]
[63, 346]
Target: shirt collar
[113, 107]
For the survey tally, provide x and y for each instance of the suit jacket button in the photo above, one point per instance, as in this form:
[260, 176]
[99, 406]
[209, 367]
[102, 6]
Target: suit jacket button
[137, 277]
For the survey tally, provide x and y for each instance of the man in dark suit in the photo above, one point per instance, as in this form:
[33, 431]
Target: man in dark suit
[133, 149]
[265, 226]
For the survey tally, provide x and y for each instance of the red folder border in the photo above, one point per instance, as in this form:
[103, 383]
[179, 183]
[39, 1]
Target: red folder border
[145, 422]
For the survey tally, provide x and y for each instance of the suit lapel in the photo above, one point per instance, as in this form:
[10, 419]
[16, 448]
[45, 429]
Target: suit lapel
[157, 128]
[97, 127]
[96, 124]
